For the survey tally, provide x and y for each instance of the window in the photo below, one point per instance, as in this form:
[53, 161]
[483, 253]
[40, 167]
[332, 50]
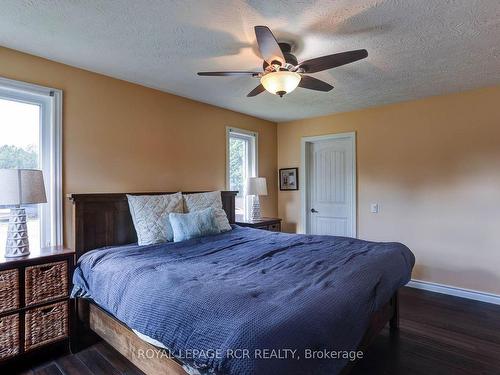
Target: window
[30, 129]
[241, 164]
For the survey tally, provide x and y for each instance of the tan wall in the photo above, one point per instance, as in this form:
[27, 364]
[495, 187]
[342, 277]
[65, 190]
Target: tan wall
[433, 165]
[120, 137]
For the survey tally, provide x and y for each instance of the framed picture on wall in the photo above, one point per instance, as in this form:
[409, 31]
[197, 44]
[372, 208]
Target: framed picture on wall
[289, 179]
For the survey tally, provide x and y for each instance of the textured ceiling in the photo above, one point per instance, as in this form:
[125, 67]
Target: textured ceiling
[416, 48]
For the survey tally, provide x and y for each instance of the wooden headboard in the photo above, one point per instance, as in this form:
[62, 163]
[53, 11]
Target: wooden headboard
[104, 219]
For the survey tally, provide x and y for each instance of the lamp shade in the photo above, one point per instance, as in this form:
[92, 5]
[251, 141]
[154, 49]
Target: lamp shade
[256, 186]
[21, 186]
[281, 82]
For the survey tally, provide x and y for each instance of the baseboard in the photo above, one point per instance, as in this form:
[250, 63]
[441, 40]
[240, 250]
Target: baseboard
[454, 291]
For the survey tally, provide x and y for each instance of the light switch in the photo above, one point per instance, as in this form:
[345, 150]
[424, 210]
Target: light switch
[374, 208]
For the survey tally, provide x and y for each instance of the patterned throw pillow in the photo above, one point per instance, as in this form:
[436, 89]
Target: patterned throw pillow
[200, 201]
[149, 214]
[194, 224]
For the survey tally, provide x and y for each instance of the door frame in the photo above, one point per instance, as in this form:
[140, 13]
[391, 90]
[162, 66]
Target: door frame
[304, 175]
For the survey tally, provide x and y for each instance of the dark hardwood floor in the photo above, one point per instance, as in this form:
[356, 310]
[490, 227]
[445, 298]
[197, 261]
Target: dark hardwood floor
[439, 334]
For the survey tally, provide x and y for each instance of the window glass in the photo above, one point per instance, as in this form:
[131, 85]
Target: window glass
[241, 165]
[238, 170]
[20, 148]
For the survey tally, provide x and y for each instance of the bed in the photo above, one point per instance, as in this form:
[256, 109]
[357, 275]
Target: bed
[246, 301]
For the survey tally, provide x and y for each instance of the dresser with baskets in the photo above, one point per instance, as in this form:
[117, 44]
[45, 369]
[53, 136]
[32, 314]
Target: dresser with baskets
[34, 303]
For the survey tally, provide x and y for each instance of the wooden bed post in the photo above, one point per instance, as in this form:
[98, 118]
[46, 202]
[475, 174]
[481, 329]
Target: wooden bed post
[394, 321]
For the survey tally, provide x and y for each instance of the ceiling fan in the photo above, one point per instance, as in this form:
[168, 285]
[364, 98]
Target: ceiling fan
[282, 73]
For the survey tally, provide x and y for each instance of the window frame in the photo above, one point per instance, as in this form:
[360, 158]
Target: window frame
[50, 151]
[253, 137]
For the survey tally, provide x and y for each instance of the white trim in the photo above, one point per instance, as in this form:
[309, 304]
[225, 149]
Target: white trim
[23, 87]
[56, 165]
[50, 100]
[454, 291]
[303, 176]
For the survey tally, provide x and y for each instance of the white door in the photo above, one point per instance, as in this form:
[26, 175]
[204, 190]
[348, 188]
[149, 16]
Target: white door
[331, 207]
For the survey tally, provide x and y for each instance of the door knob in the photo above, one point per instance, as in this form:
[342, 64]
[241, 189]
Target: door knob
[314, 211]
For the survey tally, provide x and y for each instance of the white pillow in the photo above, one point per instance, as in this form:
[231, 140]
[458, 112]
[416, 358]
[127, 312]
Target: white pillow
[201, 201]
[149, 214]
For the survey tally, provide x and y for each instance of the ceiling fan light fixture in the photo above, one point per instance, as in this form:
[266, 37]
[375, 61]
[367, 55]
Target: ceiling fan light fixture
[281, 71]
[281, 82]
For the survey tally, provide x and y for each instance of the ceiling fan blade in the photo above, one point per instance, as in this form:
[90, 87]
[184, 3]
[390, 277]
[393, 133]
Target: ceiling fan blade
[332, 61]
[311, 83]
[256, 91]
[268, 46]
[234, 73]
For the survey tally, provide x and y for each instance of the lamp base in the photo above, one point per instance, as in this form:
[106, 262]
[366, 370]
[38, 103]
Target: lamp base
[255, 213]
[17, 234]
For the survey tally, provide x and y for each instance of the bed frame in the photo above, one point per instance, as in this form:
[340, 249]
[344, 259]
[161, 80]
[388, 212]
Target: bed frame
[104, 220]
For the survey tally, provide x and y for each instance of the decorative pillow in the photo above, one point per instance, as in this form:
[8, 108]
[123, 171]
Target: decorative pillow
[149, 213]
[194, 224]
[200, 201]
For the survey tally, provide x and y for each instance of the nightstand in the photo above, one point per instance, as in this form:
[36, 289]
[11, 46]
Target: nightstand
[272, 224]
[34, 303]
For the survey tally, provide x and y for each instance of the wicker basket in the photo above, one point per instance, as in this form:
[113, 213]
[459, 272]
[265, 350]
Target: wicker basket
[46, 282]
[9, 336]
[44, 325]
[9, 290]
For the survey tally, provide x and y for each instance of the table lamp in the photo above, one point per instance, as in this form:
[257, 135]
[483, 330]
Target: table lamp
[255, 187]
[19, 187]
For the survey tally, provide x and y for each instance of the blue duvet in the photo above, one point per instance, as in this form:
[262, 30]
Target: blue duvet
[249, 301]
